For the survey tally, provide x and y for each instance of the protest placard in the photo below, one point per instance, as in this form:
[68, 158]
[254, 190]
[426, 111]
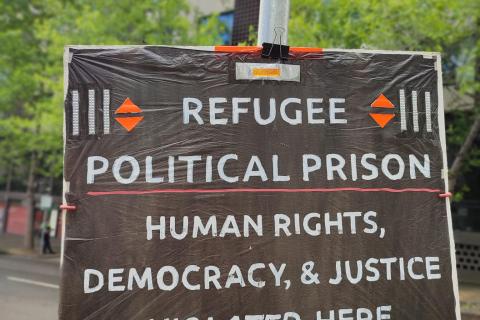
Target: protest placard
[221, 185]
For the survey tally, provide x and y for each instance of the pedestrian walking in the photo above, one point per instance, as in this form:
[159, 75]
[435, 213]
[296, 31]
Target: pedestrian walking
[46, 241]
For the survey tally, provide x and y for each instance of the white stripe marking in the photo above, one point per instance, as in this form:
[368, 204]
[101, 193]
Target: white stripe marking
[403, 113]
[33, 282]
[415, 111]
[428, 111]
[75, 113]
[91, 111]
[106, 111]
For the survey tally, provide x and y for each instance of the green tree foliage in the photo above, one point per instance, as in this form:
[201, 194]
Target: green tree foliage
[22, 96]
[33, 34]
[449, 27]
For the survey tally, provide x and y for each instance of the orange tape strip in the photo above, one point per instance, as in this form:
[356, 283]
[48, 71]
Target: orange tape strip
[238, 49]
[305, 50]
[266, 72]
[255, 49]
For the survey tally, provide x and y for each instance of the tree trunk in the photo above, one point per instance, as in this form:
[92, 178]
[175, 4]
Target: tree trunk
[7, 201]
[454, 170]
[462, 154]
[29, 240]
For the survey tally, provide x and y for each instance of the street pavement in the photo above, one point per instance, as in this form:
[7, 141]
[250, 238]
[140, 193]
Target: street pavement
[29, 287]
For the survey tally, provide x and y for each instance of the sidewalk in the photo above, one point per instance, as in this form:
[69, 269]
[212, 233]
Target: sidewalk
[13, 245]
[470, 301]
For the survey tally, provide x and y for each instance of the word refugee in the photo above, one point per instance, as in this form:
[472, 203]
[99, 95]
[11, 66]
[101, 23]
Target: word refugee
[290, 111]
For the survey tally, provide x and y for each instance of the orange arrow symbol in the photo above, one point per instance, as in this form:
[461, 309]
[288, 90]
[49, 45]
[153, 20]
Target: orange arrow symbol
[382, 119]
[382, 102]
[128, 107]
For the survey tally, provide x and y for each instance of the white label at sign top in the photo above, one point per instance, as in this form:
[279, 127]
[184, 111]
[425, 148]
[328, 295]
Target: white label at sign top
[267, 71]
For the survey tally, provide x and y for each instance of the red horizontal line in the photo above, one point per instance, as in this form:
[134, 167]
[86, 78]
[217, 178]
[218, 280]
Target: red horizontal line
[260, 190]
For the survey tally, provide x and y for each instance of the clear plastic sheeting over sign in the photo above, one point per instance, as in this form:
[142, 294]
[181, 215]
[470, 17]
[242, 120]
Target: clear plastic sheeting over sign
[200, 193]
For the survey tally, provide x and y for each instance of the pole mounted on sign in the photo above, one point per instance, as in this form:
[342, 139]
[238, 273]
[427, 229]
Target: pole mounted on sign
[273, 21]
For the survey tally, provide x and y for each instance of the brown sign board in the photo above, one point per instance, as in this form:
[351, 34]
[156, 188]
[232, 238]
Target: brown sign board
[222, 185]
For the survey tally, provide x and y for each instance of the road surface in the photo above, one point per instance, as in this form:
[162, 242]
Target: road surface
[28, 288]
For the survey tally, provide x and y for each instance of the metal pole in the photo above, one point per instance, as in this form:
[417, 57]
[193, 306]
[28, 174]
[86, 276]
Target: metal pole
[273, 18]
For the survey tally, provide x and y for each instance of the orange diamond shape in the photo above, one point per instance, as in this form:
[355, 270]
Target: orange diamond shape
[382, 119]
[382, 102]
[129, 123]
[127, 107]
